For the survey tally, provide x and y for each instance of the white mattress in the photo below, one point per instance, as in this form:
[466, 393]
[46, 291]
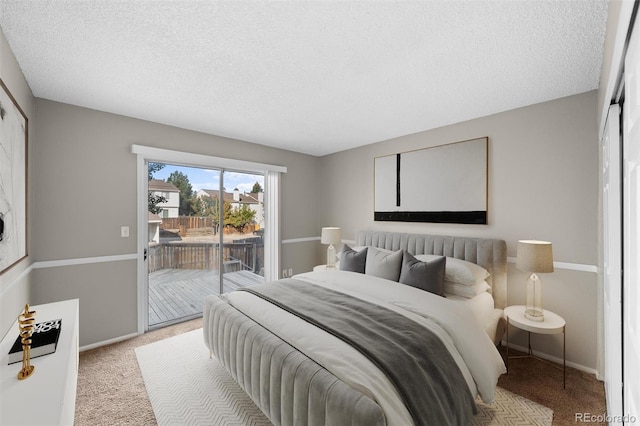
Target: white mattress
[483, 308]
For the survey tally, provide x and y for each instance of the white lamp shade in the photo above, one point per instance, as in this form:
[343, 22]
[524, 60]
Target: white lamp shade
[535, 256]
[330, 235]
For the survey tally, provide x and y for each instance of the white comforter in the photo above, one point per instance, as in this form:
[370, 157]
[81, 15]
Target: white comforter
[470, 346]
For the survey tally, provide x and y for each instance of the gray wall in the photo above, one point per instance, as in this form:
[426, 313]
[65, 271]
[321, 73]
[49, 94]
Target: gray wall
[85, 190]
[14, 283]
[543, 184]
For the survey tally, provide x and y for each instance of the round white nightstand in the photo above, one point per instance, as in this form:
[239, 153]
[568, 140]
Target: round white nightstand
[552, 324]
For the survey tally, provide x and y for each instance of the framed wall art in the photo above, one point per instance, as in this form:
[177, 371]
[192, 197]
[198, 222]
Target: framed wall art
[13, 180]
[440, 184]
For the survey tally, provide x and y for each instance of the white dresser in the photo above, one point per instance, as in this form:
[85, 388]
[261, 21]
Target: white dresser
[48, 397]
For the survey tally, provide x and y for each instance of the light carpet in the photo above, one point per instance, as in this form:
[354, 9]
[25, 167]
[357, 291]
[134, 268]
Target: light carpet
[186, 387]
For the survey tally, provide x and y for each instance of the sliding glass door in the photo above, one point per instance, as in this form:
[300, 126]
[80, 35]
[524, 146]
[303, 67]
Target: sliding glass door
[205, 236]
[225, 234]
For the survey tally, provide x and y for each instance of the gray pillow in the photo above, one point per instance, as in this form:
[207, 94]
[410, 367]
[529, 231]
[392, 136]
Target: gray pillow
[351, 260]
[383, 264]
[428, 276]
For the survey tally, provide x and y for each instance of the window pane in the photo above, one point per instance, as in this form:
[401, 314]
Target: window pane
[204, 240]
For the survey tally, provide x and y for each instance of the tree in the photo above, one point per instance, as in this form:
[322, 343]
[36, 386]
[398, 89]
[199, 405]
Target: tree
[153, 168]
[256, 188]
[240, 217]
[181, 181]
[213, 211]
[206, 206]
[154, 200]
[226, 213]
[200, 205]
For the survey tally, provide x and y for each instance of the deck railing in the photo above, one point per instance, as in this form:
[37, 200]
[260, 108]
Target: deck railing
[236, 256]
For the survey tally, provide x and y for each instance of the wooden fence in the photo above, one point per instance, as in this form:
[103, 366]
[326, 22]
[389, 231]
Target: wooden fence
[240, 255]
[184, 223]
[188, 222]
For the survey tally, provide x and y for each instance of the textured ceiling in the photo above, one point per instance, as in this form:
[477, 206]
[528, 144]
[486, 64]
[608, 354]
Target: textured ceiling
[309, 76]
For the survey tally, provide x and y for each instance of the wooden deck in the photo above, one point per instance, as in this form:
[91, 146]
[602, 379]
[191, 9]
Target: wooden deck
[177, 294]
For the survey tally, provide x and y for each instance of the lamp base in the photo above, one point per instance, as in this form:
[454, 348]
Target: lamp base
[331, 257]
[534, 314]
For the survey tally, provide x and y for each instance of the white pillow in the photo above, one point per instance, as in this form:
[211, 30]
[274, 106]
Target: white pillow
[459, 271]
[466, 291]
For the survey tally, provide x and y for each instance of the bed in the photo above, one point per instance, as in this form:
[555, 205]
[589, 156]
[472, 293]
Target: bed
[298, 373]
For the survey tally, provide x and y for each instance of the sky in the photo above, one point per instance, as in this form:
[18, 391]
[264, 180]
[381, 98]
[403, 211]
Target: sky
[210, 179]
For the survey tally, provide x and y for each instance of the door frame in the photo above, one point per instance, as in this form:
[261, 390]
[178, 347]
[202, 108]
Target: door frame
[631, 228]
[611, 304]
[147, 154]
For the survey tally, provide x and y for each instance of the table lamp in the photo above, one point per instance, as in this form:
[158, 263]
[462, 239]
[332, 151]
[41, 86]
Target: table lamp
[535, 257]
[331, 236]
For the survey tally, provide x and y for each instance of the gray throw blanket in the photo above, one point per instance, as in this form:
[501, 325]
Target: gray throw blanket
[414, 359]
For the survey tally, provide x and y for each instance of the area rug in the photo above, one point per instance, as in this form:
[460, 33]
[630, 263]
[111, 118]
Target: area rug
[186, 387]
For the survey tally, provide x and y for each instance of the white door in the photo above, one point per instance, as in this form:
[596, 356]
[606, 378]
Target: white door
[631, 228]
[612, 214]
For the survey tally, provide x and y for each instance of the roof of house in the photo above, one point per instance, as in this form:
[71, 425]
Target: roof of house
[249, 198]
[160, 185]
[246, 198]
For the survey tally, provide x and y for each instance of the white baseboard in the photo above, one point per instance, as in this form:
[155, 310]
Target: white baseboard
[108, 342]
[554, 359]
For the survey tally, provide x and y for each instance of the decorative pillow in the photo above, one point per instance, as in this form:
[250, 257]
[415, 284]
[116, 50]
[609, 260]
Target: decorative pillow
[347, 248]
[360, 248]
[466, 291]
[351, 260]
[382, 264]
[460, 271]
[428, 276]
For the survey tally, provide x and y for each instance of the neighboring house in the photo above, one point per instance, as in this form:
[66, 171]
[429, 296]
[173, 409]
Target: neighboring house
[170, 193]
[213, 193]
[254, 200]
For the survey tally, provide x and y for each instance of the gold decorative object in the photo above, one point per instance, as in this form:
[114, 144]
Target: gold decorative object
[26, 324]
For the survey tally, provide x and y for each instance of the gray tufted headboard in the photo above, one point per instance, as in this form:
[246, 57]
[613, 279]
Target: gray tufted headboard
[489, 253]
